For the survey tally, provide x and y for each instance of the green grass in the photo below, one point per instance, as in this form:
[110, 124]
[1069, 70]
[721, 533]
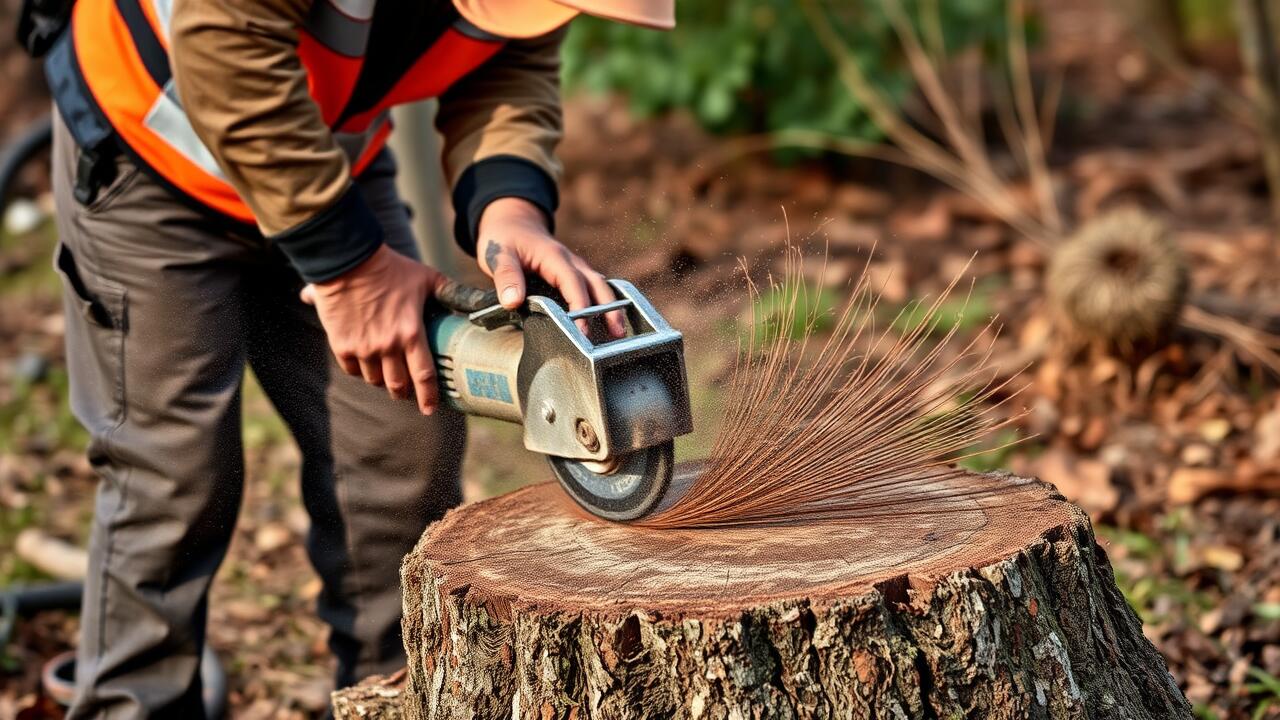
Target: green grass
[1203, 712]
[815, 311]
[38, 276]
[961, 312]
[1159, 597]
[1003, 446]
[39, 415]
[262, 426]
[1264, 688]
[34, 415]
[1267, 611]
[13, 569]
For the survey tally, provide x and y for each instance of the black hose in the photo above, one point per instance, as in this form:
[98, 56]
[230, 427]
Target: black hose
[17, 602]
[23, 601]
[15, 155]
[38, 598]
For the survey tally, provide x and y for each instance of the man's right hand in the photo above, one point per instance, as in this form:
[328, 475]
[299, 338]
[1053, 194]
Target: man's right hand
[373, 317]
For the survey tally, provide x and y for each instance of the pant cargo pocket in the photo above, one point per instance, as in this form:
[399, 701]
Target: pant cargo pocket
[96, 321]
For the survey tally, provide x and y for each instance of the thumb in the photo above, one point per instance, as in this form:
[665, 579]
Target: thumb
[308, 294]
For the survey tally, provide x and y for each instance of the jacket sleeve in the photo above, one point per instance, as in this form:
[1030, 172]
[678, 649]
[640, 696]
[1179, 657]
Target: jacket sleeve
[244, 89]
[501, 125]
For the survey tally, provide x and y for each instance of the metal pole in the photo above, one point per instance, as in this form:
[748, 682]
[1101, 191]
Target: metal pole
[421, 182]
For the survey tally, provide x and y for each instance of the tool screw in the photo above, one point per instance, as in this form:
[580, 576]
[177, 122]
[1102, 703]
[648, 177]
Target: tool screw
[586, 435]
[548, 412]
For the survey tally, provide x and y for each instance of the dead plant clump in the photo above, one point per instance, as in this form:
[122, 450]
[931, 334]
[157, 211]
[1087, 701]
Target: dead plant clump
[1120, 279]
[860, 422]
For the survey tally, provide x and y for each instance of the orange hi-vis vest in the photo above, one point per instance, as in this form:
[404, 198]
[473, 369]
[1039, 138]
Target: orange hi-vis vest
[120, 50]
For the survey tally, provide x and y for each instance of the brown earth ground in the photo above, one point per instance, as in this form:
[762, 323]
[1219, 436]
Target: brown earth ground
[1175, 454]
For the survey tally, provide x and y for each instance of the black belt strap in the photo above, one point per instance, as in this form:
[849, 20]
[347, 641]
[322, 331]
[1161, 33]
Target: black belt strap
[154, 58]
[94, 136]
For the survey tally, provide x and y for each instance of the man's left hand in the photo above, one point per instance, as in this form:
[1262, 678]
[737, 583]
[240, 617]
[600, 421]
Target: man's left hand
[514, 238]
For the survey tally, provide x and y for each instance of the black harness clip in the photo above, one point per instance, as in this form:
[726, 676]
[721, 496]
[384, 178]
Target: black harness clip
[94, 171]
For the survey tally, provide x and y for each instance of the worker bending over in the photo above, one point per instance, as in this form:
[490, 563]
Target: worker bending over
[220, 168]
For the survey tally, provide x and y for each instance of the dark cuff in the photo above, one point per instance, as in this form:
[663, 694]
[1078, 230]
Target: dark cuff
[498, 177]
[332, 242]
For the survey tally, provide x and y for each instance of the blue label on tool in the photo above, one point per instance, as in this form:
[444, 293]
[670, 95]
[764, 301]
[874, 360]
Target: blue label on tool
[488, 385]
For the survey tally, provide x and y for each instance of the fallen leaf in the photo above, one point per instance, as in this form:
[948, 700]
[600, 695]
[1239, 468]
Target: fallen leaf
[311, 694]
[1085, 481]
[1095, 432]
[1221, 557]
[1266, 438]
[1187, 484]
[931, 224]
[889, 279]
[1215, 430]
[311, 590]
[861, 200]
[272, 536]
[1211, 621]
[1197, 455]
[1036, 332]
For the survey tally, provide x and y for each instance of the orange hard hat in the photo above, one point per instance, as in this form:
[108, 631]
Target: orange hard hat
[531, 18]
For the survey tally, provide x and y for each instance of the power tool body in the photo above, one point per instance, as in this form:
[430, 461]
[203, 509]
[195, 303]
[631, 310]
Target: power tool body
[605, 414]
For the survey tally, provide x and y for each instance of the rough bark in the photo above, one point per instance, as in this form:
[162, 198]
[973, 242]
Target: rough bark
[997, 606]
[375, 698]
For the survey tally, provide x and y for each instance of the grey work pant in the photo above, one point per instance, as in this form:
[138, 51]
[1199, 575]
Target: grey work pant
[163, 314]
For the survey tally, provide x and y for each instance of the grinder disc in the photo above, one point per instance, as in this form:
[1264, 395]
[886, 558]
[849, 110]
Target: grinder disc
[629, 492]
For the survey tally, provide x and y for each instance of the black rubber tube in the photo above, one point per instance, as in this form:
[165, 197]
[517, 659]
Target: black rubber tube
[15, 155]
[25, 601]
[38, 598]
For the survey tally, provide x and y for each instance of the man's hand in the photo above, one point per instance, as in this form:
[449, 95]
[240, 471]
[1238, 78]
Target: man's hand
[373, 317]
[514, 238]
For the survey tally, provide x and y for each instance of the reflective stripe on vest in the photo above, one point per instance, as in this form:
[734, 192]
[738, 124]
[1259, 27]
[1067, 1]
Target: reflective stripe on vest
[122, 50]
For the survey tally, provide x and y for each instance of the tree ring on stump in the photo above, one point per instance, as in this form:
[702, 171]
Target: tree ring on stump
[535, 547]
[953, 594]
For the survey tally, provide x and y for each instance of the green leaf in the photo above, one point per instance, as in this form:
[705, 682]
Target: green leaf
[1267, 611]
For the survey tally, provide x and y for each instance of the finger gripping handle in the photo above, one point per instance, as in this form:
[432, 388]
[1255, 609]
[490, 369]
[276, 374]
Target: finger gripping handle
[465, 299]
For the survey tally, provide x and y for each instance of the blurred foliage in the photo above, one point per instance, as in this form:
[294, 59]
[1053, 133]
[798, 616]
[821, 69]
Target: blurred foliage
[756, 66]
[792, 312]
[996, 451]
[1206, 20]
[1159, 598]
[1265, 688]
[961, 311]
[38, 415]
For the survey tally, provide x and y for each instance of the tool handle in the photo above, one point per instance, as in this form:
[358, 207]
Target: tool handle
[466, 299]
[461, 298]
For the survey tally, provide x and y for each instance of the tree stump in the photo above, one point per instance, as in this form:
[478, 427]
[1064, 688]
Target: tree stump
[995, 605]
[378, 697]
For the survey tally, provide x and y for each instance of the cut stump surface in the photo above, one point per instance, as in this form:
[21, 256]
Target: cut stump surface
[992, 604]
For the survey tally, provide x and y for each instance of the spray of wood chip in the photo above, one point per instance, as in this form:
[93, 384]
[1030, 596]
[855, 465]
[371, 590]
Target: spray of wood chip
[862, 420]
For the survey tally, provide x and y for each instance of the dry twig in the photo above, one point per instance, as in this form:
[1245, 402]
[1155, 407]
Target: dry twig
[962, 161]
